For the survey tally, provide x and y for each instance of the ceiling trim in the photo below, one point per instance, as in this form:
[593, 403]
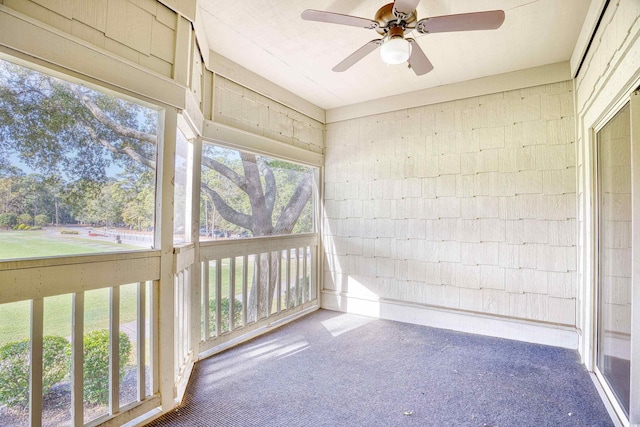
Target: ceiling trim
[238, 139]
[589, 27]
[545, 74]
[230, 70]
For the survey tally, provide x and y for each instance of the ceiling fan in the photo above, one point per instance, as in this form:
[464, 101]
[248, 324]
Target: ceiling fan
[394, 21]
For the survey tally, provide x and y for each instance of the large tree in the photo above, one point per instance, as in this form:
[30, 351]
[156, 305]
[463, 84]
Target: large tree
[76, 133]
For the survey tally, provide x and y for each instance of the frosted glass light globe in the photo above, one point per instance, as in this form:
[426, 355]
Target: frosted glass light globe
[395, 51]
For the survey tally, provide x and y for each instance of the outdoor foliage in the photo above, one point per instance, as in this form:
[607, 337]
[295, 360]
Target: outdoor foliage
[96, 364]
[69, 146]
[224, 315]
[8, 220]
[15, 365]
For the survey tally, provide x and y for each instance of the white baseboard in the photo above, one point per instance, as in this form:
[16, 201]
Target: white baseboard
[514, 329]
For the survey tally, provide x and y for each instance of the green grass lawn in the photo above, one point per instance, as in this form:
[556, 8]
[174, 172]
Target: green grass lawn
[14, 317]
[42, 243]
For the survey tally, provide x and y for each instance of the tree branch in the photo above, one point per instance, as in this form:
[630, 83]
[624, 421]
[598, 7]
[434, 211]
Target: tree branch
[225, 171]
[103, 118]
[226, 211]
[129, 151]
[296, 204]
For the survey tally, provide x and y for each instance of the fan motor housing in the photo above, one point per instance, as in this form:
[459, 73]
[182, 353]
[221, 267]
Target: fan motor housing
[384, 16]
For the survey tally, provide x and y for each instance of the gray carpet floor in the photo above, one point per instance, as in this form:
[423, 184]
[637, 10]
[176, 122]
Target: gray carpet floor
[335, 369]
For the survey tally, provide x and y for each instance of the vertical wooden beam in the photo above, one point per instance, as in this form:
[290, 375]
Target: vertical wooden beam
[114, 349]
[196, 276]
[634, 398]
[141, 335]
[167, 125]
[77, 359]
[182, 61]
[35, 370]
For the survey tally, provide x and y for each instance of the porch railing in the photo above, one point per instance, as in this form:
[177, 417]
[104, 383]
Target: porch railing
[221, 291]
[249, 283]
[110, 329]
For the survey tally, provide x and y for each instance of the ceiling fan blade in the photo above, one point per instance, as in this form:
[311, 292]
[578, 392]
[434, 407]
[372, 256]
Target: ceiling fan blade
[489, 20]
[405, 7]
[357, 55]
[337, 18]
[418, 61]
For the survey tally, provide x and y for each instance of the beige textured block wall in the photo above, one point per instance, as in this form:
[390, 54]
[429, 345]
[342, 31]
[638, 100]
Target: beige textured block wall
[141, 31]
[607, 75]
[245, 109]
[467, 205]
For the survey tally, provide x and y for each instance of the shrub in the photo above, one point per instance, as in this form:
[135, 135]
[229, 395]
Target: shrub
[96, 364]
[25, 218]
[8, 220]
[41, 220]
[22, 226]
[224, 317]
[15, 363]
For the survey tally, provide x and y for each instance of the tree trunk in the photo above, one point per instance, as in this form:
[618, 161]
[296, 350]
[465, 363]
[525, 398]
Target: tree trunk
[261, 298]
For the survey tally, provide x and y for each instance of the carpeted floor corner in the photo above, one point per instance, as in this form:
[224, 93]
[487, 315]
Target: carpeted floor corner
[335, 369]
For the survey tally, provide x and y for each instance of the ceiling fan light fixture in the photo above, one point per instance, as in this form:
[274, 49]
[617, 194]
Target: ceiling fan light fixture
[396, 50]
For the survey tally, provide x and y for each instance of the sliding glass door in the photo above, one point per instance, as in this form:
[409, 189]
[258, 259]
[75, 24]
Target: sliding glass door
[614, 243]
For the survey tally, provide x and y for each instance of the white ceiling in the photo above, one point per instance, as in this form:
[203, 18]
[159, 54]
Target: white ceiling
[269, 38]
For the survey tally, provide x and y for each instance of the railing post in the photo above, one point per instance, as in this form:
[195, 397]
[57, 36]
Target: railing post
[196, 276]
[167, 125]
[114, 350]
[77, 360]
[35, 377]
[141, 337]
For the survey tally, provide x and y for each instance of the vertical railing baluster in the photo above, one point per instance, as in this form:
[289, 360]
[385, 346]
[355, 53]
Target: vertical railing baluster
[268, 300]
[305, 285]
[205, 300]
[232, 292]
[218, 296]
[178, 322]
[141, 336]
[258, 281]
[297, 276]
[279, 281]
[114, 347]
[154, 348]
[288, 277]
[187, 311]
[176, 330]
[245, 273]
[77, 359]
[35, 377]
[313, 274]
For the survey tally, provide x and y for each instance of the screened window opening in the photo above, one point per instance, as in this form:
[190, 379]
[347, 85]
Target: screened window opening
[247, 195]
[77, 168]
